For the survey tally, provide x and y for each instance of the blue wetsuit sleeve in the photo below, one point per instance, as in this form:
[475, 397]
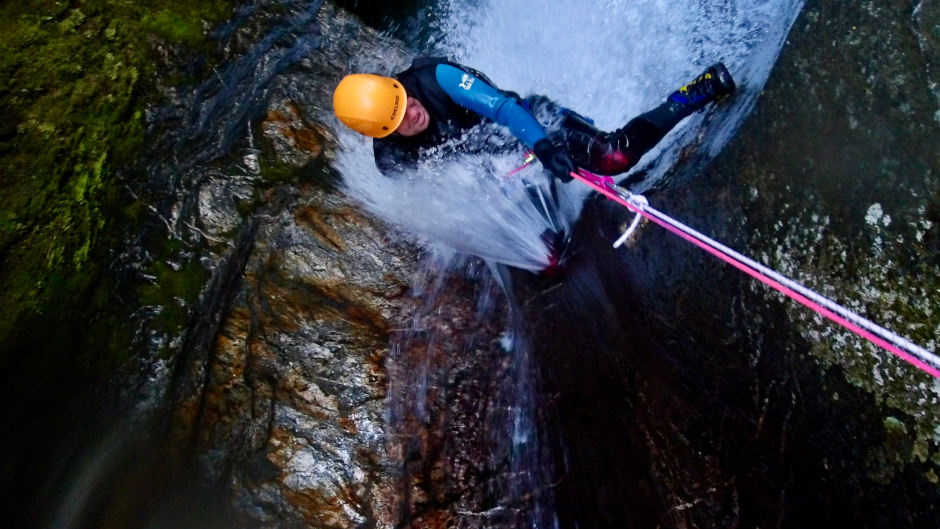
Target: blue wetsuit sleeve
[474, 94]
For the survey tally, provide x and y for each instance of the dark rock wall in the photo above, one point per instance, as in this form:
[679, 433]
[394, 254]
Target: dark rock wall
[720, 404]
[328, 377]
[326, 373]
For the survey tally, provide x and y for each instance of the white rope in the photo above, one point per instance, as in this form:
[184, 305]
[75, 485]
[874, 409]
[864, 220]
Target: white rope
[642, 205]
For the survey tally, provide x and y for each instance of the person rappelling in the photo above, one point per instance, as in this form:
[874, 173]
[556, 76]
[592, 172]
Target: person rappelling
[436, 100]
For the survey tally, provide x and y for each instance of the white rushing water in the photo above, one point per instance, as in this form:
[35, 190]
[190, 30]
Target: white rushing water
[614, 59]
[609, 60]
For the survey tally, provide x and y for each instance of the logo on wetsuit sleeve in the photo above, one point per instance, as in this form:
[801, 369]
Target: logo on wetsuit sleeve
[466, 81]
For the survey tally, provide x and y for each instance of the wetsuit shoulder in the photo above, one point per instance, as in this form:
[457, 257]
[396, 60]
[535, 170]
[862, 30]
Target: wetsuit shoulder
[473, 93]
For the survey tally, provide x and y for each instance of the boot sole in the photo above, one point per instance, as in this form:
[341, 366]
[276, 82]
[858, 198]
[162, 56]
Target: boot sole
[723, 76]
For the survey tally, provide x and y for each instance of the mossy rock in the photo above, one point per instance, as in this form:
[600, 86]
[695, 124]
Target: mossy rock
[75, 79]
[71, 84]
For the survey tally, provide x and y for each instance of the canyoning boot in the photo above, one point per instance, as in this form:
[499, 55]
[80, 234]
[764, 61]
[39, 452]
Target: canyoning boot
[645, 130]
[714, 83]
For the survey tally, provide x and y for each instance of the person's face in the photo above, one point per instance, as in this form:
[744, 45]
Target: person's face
[416, 119]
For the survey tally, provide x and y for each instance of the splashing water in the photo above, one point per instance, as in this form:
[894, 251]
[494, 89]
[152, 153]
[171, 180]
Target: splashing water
[459, 203]
[609, 60]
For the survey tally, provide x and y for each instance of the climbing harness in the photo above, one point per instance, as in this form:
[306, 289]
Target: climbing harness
[903, 348]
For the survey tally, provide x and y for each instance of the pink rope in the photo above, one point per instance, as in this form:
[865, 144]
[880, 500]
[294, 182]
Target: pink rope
[530, 157]
[603, 185]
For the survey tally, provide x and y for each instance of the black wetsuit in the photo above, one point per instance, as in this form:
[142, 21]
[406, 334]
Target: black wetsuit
[459, 98]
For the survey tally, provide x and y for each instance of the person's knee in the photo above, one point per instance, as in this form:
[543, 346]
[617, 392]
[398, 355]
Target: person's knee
[641, 136]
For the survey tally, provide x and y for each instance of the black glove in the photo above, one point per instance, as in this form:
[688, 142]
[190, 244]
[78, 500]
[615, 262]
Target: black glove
[554, 159]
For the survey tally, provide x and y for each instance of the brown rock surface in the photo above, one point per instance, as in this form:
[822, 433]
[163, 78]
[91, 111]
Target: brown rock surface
[290, 406]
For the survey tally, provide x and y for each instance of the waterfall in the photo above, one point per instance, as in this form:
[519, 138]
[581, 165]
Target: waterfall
[609, 60]
[614, 59]
[423, 384]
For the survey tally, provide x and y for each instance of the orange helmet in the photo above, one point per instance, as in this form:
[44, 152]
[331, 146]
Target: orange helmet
[370, 104]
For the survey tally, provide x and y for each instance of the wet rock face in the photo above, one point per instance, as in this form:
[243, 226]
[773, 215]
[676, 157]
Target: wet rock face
[852, 177]
[318, 388]
[330, 378]
[451, 387]
[293, 400]
[286, 400]
[747, 410]
[292, 406]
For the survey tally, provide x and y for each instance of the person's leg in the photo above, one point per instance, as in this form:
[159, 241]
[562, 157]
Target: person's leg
[593, 149]
[616, 152]
[645, 131]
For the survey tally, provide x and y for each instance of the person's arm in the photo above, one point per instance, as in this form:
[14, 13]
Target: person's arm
[471, 92]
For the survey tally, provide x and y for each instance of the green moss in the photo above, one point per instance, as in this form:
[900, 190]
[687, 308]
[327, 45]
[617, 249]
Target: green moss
[173, 290]
[894, 426]
[73, 87]
[888, 459]
[921, 450]
[184, 22]
[173, 26]
[932, 476]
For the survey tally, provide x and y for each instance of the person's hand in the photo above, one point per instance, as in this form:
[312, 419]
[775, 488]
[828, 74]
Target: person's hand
[554, 159]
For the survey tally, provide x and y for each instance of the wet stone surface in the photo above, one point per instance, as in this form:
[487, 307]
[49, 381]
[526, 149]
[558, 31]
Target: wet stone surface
[337, 381]
[329, 375]
[747, 410]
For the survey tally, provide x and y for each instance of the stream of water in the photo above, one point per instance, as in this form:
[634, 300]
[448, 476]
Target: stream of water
[609, 60]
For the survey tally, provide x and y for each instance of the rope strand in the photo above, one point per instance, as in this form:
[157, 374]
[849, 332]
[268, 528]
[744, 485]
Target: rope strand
[903, 348]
